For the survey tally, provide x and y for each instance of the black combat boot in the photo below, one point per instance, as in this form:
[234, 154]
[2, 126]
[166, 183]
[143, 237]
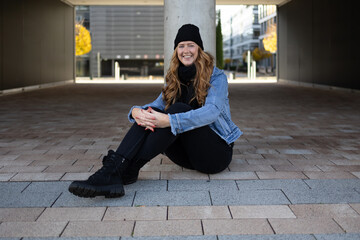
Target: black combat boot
[132, 172]
[107, 181]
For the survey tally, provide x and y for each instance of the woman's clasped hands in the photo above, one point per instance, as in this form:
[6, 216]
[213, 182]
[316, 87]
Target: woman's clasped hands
[150, 119]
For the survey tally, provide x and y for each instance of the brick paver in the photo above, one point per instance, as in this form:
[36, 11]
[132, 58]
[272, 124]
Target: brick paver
[294, 174]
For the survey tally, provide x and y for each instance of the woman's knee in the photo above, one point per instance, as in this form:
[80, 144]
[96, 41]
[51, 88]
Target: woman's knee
[211, 169]
[178, 108]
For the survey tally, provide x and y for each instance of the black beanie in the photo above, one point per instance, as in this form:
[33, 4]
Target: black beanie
[188, 32]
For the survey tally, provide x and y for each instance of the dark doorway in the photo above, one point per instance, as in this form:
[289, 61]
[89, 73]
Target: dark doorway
[106, 68]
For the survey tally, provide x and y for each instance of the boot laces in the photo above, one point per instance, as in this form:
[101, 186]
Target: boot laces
[109, 166]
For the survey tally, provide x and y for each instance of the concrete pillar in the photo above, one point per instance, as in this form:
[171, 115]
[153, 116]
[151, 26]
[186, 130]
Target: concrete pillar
[201, 13]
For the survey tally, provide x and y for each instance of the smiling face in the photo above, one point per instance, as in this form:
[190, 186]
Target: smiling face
[187, 52]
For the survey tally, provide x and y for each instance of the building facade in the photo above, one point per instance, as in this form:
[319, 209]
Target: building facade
[267, 21]
[241, 31]
[133, 36]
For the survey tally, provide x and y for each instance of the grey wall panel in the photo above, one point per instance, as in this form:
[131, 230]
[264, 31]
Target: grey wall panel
[37, 42]
[12, 44]
[69, 43]
[1, 42]
[33, 36]
[132, 31]
[316, 43]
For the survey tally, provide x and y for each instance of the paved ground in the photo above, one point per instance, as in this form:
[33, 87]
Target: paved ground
[295, 172]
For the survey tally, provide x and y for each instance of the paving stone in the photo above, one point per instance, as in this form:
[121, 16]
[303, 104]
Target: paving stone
[44, 199]
[184, 175]
[135, 213]
[20, 214]
[281, 175]
[345, 162]
[4, 177]
[40, 156]
[233, 176]
[168, 228]
[334, 184]
[12, 187]
[349, 224]
[147, 185]
[201, 185]
[56, 162]
[12, 169]
[329, 175]
[16, 163]
[72, 214]
[69, 200]
[96, 228]
[67, 168]
[347, 168]
[149, 175]
[346, 236]
[236, 226]
[37, 177]
[76, 176]
[310, 161]
[323, 210]
[356, 207]
[235, 167]
[304, 226]
[48, 187]
[357, 174]
[247, 197]
[269, 237]
[267, 211]
[73, 238]
[296, 151]
[265, 162]
[162, 168]
[296, 168]
[175, 198]
[199, 212]
[172, 238]
[31, 229]
[272, 184]
[322, 196]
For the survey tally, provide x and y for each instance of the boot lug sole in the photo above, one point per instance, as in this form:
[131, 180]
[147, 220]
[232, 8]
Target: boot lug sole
[90, 191]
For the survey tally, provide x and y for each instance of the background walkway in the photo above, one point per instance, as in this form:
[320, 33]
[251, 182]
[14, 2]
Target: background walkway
[295, 173]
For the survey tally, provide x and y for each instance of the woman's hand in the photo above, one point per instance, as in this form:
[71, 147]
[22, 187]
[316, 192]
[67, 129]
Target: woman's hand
[150, 118]
[161, 119]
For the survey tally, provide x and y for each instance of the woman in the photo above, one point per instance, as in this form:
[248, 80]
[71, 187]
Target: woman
[189, 122]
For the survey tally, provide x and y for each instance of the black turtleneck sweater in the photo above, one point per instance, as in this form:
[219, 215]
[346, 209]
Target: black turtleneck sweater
[186, 75]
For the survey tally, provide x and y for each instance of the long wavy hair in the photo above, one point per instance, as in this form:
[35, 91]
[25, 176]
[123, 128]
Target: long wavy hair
[204, 66]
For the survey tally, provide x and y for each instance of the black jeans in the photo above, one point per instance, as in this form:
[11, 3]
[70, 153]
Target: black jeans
[200, 149]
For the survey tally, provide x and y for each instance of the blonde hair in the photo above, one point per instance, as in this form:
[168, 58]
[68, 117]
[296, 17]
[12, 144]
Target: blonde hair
[204, 66]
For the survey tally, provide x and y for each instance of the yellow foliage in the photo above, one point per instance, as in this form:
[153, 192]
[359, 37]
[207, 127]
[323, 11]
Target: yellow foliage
[270, 41]
[82, 40]
[258, 54]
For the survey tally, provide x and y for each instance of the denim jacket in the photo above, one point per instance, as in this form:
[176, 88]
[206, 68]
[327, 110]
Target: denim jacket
[215, 112]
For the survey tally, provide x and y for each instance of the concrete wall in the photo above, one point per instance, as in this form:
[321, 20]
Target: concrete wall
[36, 42]
[317, 43]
